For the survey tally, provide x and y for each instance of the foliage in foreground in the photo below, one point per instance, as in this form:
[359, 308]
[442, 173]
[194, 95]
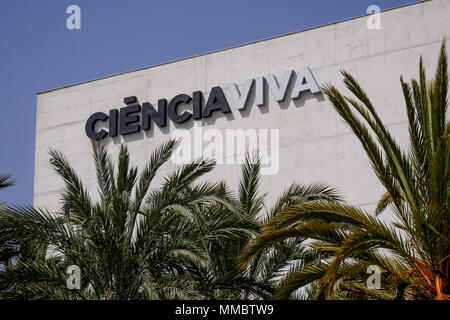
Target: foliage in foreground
[413, 251]
[185, 238]
[180, 240]
[7, 249]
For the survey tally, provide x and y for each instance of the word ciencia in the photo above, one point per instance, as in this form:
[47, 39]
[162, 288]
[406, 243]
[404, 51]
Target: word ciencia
[136, 117]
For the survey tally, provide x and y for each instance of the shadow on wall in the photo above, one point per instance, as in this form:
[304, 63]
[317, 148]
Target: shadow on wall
[298, 102]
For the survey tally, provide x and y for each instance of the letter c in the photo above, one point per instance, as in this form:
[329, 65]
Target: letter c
[90, 124]
[172, 109]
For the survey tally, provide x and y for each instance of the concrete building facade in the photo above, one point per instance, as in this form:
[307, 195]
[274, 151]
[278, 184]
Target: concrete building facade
[313, 143]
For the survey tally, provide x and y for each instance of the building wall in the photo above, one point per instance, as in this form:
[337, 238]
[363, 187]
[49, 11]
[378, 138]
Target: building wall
[315, 145]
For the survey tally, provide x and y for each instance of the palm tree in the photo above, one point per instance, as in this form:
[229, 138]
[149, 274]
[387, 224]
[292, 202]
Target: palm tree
[269, 267]
[413, 250]
[135, 242]
[227, 227]
[181, 240]
[7, 249]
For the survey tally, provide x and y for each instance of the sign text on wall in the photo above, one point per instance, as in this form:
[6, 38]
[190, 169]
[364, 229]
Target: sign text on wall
[136, 117]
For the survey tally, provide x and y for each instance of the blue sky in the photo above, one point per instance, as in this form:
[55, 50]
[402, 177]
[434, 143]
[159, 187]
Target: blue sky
[38, 52]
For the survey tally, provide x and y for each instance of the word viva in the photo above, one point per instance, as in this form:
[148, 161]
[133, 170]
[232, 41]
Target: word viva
[136, 117]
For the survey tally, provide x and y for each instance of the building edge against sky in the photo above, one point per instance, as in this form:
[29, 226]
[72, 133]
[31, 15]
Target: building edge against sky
[313, 143]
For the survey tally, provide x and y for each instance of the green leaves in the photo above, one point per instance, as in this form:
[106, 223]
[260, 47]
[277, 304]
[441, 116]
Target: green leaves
[251, 202]
[346, 239]
[180, 239]
[6, 181]
[184, 239]
[123, 244]
[75, 197]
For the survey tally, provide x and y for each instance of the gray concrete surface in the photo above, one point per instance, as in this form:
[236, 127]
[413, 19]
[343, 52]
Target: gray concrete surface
[315, 145]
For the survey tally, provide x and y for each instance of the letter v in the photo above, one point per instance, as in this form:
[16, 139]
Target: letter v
[279, 91]
[240, 99]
